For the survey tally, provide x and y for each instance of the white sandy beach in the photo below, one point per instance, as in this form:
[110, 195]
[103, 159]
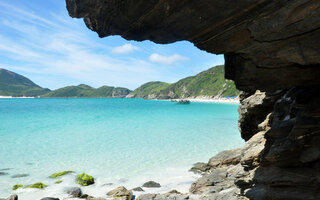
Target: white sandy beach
[212, 100]
[10, 97]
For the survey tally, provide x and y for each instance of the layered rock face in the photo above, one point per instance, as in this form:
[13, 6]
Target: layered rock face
[266, 42]
[269, 45]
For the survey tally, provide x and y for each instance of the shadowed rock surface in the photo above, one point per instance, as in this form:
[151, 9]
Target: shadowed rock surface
[269, 45]
[260, 38]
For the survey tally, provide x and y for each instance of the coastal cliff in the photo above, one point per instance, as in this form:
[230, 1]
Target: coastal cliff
[271, 46]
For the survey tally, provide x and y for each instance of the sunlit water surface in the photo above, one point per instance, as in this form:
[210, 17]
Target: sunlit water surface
[120, 141]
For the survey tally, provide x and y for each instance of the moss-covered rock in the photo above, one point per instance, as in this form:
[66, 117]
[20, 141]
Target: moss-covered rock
[15, 187]
[38, 185]
[55, 175]
[58, 182]
[85, 179]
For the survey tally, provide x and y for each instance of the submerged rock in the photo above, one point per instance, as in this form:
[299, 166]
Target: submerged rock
[74, 191]
[151, 184]
[58, 182]
[5, 169]
[38, 185]
[55, 175]
[3, 173]
[138, 189]
[17, 186]
[120, 193]
[49, 198]
[20, 175]
[85, 179]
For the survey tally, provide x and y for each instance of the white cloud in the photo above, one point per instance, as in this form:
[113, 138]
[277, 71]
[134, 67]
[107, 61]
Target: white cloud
[126, 48]
[167, 60]
[57, 48]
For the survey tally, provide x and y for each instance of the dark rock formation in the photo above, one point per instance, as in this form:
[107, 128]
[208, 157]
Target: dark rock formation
[269, 45]
[151, 184]
[266, 43]
[74, 191]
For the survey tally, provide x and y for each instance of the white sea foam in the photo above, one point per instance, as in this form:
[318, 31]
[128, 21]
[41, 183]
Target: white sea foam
[169, 178]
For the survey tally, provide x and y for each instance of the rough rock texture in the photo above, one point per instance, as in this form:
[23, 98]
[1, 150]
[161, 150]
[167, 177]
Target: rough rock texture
[260, 38]
[74, 191]
[269, 45]
[120, 193]
[253, 110]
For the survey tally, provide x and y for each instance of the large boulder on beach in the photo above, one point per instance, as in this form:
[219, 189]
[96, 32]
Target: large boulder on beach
[121, 193]
[151, 184]
[85, 179]
[226, 158]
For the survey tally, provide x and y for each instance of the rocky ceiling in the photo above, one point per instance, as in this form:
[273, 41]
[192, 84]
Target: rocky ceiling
[268, 44]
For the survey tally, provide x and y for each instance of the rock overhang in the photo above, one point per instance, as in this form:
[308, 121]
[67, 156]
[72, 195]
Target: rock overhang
[268, 44]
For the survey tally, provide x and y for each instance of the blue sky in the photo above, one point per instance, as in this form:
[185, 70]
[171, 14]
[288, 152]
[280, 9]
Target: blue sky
[39, 40]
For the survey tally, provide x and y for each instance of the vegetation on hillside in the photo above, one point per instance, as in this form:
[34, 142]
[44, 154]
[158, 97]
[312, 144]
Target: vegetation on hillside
[87, 91]
[209, 83]
[148, 89]
[13, 84]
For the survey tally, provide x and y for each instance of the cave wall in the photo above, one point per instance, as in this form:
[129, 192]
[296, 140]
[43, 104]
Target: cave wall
[269, 45]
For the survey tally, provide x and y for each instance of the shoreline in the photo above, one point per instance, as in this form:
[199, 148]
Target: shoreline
[211, 100]
[179, 179]
[200, 100]
[11, 97]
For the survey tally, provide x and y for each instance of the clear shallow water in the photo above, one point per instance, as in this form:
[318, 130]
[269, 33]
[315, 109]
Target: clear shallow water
[120, 141]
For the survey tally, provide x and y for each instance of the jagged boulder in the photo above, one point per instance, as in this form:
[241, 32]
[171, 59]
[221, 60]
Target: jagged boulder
[120, 193]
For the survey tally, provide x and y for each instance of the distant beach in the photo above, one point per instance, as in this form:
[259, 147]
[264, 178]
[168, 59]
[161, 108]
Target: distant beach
[10, 97]
[212, 100]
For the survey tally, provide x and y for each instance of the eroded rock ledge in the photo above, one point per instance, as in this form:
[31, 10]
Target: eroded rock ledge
[266, 42]
[269, 45]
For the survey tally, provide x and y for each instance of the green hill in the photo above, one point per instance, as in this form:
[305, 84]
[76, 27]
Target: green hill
[148, 90]
[209, 83]
[87, 91]
[13, 84]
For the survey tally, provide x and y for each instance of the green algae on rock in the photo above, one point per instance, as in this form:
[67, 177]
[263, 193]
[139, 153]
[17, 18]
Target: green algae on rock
[55, 175]
[58, 182]
[85, 179]
[17, 186]
[38, 185]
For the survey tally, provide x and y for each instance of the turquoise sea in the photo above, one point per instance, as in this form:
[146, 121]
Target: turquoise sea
[119, 141]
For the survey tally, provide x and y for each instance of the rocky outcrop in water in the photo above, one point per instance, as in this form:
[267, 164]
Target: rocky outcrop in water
[271, 46]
